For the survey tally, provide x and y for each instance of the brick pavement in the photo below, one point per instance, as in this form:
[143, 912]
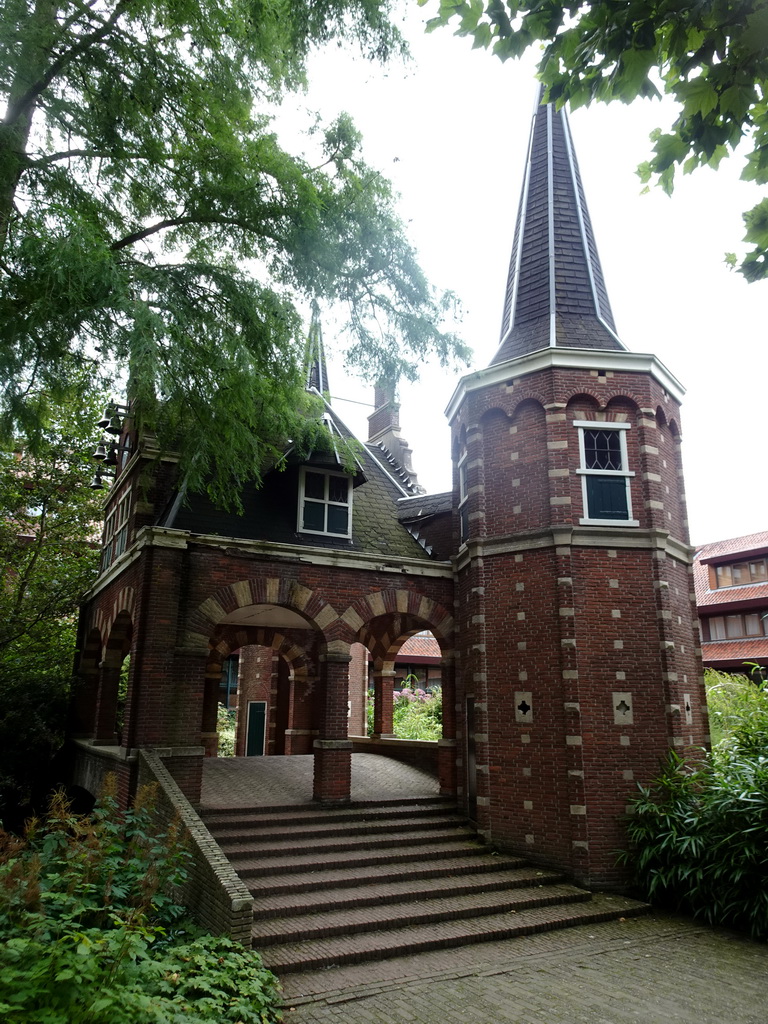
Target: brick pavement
[280, 781]
[657, 969]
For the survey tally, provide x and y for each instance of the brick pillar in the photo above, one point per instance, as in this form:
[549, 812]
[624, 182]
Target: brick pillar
[383, 686]
[82, 709]
[106, 705]
[446, 747]
[209, 734]
[358, 691]
[332, 749]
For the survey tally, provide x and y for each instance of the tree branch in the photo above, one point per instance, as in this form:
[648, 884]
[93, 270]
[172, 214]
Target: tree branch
[20, 107]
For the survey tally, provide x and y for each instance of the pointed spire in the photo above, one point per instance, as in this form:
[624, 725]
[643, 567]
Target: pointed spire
[316, 371]
[556, 295]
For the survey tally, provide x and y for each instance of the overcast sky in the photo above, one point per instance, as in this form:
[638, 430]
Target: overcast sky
[451, 131]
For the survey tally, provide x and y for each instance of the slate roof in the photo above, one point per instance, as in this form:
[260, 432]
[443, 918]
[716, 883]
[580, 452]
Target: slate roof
[556, 294]
[423, 505]
[270, 512]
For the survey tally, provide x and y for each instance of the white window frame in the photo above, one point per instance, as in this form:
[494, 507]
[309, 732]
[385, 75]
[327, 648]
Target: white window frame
[326, 502]
[584, 473]
[463, 496]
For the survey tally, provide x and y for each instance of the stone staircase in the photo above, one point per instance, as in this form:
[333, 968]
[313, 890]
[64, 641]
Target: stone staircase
[366, 882]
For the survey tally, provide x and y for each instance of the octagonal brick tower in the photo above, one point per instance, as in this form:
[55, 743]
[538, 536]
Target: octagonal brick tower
[577, 638]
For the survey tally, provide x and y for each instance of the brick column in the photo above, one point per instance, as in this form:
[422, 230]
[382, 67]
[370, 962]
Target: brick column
[332, 749]
[446, 747]
[383, 686]
[106, 706]
[209, 733]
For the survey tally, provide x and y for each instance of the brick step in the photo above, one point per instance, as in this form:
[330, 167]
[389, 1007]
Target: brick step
[318, 877]
[374, 893]
[238, 831]
[415, 913]
[326, 952]
[312, 813]
[288, 848]
[247, 865]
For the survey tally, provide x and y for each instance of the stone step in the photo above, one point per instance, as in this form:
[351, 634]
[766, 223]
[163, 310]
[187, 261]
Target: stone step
[247, 864]
[298, 901]
[319, 877]
[228, 833]
[299, 846]
[314, 954]
[312, 814]
[414, 913]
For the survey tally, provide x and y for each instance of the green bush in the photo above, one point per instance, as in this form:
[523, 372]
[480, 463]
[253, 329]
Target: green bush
[699, 834]
[226, 722]
[737, 706]
[90, 935]
[414, 717]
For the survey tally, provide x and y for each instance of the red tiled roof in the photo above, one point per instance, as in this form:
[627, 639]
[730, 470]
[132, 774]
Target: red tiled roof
[752, 542]
[735, 650]
[422, 645]
[706, 598]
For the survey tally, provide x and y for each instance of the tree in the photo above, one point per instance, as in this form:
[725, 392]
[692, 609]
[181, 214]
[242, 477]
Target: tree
[711, 56]
[151, 225]
[49, 553]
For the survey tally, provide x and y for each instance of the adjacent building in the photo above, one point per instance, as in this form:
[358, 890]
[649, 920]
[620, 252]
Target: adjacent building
[731, 579]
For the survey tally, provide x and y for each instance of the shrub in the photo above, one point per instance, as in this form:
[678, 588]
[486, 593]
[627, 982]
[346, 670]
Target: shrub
[226, 720]
[699, 834]
[416, 715]
[90, 935]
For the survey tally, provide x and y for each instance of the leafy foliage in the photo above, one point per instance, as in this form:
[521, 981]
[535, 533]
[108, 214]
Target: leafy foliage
[737, 710]
[48, 551]
[699, 834]
[152, 225]
[89, 934]
[416, 715]
[711, 57]
[226, 723]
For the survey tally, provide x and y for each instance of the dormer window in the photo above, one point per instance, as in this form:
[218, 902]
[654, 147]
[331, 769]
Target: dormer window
[325, 503]
[605, 474]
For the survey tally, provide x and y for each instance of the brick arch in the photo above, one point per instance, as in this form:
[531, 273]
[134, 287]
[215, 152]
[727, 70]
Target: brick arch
[91, 653]
[118, 641]
[617, 401]
[413, 611]
[535, 401]
[104, 616]
[589, 401]
[661, 418]
[298, 662]
[286, 593]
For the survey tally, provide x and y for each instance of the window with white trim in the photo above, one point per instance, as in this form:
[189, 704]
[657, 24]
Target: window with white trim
[116, 529]
[325, 503]
[463, 510]
[605, 473]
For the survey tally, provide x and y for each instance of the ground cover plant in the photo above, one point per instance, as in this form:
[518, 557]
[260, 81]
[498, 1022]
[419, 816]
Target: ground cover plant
[89, 933]
[699, 833]
[416, 714]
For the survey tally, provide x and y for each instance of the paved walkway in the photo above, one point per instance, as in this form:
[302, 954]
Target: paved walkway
[657, 969]
[280, 781]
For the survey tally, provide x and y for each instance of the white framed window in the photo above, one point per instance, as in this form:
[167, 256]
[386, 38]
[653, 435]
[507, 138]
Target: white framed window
[463, 511]
[605, 473]
[116, 529]
[325, 503]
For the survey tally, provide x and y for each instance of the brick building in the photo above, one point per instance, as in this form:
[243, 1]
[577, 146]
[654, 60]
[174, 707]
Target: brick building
[732, 601]
[555, 576]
